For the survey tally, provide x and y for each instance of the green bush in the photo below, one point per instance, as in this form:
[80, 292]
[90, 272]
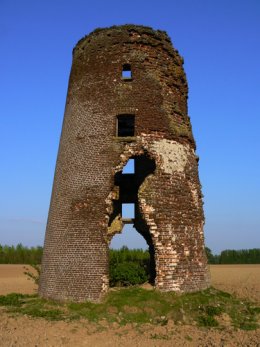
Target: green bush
[127, 273]
[128, 266]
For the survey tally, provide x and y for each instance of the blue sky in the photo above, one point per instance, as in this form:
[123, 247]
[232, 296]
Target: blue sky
[220, 43]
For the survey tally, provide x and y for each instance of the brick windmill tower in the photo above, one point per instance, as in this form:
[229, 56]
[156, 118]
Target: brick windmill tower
[127, 99]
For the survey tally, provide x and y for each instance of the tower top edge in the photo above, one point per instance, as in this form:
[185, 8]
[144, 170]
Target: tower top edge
[124, 32]
[141, 29]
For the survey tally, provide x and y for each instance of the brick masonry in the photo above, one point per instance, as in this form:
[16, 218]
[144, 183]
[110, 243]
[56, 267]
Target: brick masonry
[86, 198]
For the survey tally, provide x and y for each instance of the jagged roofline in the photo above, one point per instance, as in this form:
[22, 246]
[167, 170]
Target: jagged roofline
[159, 35]
[129, 27]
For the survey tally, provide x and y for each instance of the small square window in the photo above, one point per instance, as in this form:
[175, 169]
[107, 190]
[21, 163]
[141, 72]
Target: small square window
[126, 72]
[128, 210]
[125, 125]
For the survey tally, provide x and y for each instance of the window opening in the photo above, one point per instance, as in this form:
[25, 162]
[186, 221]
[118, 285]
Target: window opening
[129, 168]
[128, 211]
[125, 125]
[126, 72]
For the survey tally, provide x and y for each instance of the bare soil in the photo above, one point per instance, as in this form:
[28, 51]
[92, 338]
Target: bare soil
[13, 279]
[241, 280]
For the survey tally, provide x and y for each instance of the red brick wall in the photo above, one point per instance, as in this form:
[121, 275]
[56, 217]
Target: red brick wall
[75, 261]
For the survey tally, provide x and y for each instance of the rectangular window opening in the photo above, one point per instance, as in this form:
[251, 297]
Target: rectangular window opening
[125, 125]
[128, 211]
[126, 72]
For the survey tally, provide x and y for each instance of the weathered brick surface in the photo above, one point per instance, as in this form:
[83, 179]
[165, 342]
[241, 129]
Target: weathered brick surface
[83, 214]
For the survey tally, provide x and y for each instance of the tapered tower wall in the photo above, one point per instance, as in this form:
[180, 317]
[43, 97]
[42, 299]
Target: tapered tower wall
[83, 216]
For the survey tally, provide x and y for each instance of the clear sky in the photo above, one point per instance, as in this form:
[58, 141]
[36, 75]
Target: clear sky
[220, 43]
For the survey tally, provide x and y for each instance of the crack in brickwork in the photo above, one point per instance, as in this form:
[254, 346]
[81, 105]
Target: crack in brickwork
[83, 215]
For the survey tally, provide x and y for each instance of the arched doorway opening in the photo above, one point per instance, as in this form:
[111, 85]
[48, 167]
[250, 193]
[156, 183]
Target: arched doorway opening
[126, 211]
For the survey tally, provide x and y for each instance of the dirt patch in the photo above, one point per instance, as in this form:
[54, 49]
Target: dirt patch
[13, 279]
[24, 331]
[129, 309]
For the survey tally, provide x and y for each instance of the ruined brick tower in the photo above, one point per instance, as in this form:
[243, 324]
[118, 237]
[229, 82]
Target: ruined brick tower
[127, 99]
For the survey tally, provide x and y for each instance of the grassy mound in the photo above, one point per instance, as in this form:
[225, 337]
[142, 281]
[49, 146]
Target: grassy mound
[140, 306]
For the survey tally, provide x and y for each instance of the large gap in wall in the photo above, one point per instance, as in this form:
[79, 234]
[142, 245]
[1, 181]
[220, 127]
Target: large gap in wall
[129, 238]
[132, 230]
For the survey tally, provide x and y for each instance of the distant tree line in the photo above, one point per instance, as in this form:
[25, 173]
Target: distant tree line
[32, 255]
[124, 254]
[231, 256]
[20, 254]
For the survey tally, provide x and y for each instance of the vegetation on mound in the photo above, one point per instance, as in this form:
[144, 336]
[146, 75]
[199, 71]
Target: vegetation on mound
[128, 267]
[140, 306]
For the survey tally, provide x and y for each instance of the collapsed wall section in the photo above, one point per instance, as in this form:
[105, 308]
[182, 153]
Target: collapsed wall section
[170, 203]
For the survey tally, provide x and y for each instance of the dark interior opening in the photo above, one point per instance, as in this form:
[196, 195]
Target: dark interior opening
[126, 71]
[125, 125]
[127, 185]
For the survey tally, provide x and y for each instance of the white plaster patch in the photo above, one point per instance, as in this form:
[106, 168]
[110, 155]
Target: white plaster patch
[174, 155]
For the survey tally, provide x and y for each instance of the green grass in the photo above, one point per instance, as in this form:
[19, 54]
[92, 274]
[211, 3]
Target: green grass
[14, 299]
[140, 306]
[31, 305]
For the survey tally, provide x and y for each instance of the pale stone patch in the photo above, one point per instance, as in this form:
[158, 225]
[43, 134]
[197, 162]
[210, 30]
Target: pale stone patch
[116, 226]
[105, 283]
[194, 193]
[174, 155]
